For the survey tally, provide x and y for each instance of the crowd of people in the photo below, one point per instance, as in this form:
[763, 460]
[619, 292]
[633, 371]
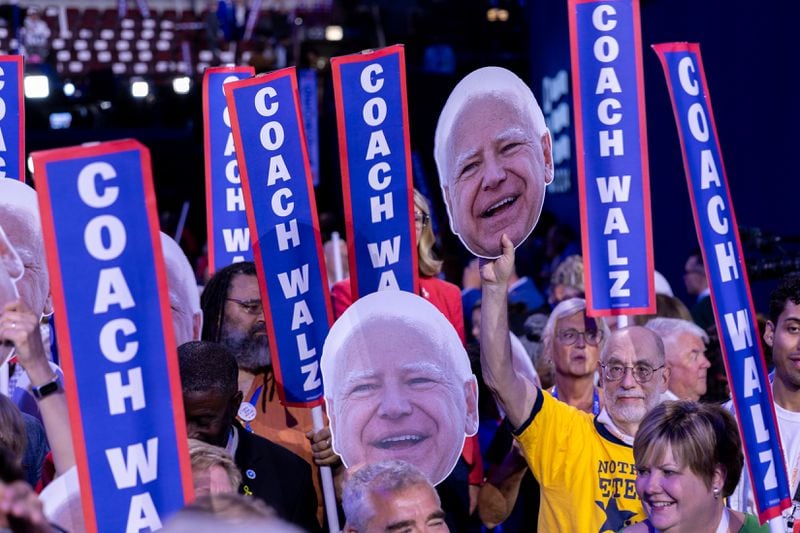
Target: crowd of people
[572, 422]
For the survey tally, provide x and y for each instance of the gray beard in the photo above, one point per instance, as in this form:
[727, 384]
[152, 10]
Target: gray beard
[251, 352]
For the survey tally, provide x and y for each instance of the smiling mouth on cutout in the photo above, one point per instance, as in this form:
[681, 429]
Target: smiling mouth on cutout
[399, 442]
[499, 207]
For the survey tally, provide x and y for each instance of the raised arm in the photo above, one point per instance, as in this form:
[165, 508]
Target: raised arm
[515, 391]
[21, 327]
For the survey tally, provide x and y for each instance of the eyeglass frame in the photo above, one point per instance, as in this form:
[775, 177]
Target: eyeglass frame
[425, 219]
[581, 334]
[625, 368]
[247, 305]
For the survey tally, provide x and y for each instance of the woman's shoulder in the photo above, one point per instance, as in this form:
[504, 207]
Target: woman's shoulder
[746, 523]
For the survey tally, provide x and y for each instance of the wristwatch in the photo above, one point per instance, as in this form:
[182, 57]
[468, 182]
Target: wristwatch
[43, 391]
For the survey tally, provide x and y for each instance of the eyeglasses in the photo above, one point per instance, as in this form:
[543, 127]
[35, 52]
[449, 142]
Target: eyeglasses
[570, 336]
[641, 373]
[251, 307]
[422, 219]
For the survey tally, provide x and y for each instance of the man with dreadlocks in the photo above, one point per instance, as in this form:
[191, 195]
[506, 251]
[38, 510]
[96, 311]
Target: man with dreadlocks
[233, 316]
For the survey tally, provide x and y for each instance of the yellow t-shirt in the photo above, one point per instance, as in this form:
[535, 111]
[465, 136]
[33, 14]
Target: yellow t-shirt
[586, 474]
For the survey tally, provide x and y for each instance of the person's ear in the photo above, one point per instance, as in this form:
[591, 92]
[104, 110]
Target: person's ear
[718, 479]
[197, 325]
[236, 401]
[448, 203]
[769, 333]
[666, 371]
[48, 305]
[547, 150]
[471, 396]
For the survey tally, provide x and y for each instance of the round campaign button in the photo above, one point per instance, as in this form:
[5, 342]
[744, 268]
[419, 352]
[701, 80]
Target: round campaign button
[247, 411]
[250, 474]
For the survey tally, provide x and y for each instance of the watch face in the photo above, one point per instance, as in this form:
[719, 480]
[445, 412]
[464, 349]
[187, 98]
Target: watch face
[46, 389]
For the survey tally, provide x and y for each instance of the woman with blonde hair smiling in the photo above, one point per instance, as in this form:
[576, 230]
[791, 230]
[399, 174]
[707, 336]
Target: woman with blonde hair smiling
[688, 460]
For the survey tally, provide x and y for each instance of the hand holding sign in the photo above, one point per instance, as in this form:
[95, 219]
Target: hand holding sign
[498, 272]
[20, 326]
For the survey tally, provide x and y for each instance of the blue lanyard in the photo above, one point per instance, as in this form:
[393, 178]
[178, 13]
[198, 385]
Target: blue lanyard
[595, 399]
[254, 403]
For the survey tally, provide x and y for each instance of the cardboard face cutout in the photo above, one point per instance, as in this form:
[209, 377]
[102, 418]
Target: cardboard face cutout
[494, 158]
[398, 384]
[11, 270]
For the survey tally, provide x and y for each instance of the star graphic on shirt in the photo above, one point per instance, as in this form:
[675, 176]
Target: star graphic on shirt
[616, 519]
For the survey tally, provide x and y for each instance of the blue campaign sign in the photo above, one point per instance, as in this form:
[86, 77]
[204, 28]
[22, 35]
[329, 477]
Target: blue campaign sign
[611, 137]
[307, 84]
[228, 235]
[722, 254]
[12, 119]
[282, 215]
[375, 154]
[115, 333]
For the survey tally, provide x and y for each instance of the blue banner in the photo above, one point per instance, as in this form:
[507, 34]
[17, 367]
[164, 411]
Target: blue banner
[228, 235]
[282, 214]
[307, 80]
[12, 119]
[115, 333]
[611, 138]
[718, 234]
[375, 154]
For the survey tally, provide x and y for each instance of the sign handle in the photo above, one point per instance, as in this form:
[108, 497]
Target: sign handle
[328, 493]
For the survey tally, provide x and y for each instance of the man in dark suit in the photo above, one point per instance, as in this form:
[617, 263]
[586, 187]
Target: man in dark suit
[211, 400]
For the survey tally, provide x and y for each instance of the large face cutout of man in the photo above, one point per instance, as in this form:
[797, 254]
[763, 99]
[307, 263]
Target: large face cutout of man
[19, 218]
[398, 384]
[494, 158]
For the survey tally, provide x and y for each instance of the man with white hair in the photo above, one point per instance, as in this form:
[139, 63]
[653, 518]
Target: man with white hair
[391, 496]
[184, 297]
[685, 347]
[494, 158]
[398, 384]
[34, 383]
[19, 218]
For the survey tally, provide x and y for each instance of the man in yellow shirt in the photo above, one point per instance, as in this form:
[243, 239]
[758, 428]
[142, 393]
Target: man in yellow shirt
[583, 463]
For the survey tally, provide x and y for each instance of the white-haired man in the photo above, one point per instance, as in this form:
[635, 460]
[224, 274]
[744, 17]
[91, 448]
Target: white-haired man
[685, 347]
[584, 463]
[184, 297]
[391, 496]
[494, 158]
[398, 384]
[35, 384]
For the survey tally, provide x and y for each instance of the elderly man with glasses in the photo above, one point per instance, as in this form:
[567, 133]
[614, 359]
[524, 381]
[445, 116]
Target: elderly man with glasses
[584, 463]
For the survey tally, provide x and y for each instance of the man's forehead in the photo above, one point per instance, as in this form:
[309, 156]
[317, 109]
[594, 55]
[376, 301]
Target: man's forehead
[630, 347]
[244, 284]
[486, 104]
[791, 311]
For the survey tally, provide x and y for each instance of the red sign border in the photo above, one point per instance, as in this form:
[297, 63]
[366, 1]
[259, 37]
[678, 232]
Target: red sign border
[41, 159]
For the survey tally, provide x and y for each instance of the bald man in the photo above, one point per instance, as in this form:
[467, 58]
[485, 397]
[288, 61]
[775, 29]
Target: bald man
[584, 463]
[494, 158]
